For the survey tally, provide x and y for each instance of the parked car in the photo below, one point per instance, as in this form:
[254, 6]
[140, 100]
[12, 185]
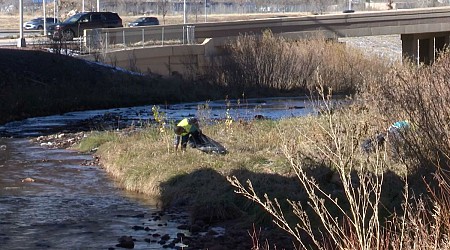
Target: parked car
[38, 23]
[144, 21]
[75, 25]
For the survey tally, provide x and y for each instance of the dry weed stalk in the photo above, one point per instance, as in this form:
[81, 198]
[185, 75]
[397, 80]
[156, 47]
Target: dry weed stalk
[161, 121]
[424, 223]
[352, 223]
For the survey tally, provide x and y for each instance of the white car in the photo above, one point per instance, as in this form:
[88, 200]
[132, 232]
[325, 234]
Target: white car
[38, 23]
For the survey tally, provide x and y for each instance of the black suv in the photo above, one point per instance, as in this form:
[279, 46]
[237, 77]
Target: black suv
[76, 24]
[144, 21]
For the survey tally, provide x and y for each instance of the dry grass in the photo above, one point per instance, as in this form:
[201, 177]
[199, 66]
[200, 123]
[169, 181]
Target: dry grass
[239, 138]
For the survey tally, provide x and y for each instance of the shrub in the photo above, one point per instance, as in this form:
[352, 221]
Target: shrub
[267, 63]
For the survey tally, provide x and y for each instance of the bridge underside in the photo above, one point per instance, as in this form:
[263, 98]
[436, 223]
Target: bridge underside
[424, 48]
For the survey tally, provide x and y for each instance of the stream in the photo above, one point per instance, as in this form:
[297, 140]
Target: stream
[52, 199]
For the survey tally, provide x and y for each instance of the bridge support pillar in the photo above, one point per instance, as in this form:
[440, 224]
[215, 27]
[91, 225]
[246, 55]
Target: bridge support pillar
[424, 48]
[440, 43]
[410, 47]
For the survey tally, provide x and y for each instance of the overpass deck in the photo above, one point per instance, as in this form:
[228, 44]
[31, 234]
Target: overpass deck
[424, 32]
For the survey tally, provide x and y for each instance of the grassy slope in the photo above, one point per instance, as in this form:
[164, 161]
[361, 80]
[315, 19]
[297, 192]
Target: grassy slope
[145, 162]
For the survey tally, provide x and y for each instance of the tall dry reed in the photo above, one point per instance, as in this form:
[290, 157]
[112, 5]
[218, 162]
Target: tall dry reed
[258, 64]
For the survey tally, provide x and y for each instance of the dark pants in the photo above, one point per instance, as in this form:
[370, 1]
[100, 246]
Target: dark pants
[369, 145]
[193, 139]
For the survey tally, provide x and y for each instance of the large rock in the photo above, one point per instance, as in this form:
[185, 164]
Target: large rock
[126, 242]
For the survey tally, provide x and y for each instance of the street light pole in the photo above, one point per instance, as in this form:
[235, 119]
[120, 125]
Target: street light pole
[184, 12]
[45, 17]
[21, 42]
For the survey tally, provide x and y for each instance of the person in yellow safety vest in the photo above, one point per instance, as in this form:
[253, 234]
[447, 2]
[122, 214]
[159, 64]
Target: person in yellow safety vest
[187, 130]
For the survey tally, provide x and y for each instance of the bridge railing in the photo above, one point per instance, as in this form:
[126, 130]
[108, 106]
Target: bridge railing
[104, 40]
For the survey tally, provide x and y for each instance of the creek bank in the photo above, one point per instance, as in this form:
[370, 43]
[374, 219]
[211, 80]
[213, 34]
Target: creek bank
[224, 234]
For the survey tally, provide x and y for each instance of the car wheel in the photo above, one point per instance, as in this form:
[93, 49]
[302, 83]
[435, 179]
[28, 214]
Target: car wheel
[68, 35]
[40, 27]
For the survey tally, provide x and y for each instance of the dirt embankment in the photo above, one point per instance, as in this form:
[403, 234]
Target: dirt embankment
[37, 83]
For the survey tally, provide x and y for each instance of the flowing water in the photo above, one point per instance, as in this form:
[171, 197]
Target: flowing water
[51, 199]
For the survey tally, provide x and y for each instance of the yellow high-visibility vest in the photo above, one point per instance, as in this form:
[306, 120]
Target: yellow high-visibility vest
[186, 125]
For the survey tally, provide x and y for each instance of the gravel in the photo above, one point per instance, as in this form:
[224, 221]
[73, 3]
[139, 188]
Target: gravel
[389, 46]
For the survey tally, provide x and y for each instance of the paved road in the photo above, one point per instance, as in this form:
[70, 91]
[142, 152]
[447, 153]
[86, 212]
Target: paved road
[9, 37]
[5, 33]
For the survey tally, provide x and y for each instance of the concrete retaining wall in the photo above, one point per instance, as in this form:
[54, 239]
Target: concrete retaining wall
[187, 60]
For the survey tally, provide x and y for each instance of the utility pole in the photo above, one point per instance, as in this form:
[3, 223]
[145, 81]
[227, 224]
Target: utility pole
[21, 42]
[184, 12]
[45, 17]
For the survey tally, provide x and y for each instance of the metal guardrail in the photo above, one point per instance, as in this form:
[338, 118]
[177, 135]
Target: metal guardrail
[104, 40]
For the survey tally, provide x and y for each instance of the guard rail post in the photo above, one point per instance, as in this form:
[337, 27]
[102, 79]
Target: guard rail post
[190, 33]
[106, 43]
[162, 36]
[123, 38]
[143, 37]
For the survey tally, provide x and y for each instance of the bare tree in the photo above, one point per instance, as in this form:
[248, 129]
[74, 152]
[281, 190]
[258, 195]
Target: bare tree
[163, 6]
[390, 4]
[196, 8]
[318, 6]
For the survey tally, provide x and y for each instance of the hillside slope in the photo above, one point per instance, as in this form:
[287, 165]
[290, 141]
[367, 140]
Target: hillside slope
[36, 83]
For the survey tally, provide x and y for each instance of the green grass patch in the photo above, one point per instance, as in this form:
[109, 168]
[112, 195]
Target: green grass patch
[95, 139]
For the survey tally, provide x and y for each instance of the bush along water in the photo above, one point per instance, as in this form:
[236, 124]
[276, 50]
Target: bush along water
[268, 65]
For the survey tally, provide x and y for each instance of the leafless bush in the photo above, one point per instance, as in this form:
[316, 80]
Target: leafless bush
[270, 62]
[425, 221]
[349, 216]
[262, 63]
[421, 95]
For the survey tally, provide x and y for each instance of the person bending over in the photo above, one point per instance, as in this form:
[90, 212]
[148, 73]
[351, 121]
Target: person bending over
[187, 131]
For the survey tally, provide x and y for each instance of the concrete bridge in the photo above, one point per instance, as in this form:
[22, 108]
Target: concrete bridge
[424, 32]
